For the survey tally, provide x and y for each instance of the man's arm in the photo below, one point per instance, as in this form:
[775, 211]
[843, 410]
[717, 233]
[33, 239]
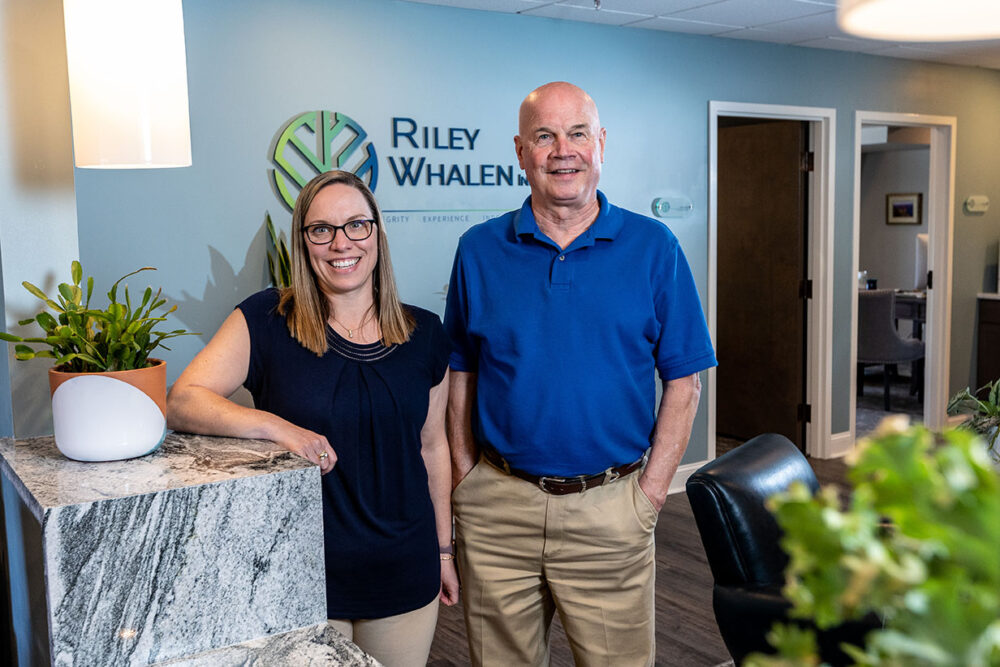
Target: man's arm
[670, 437]
[461, 399]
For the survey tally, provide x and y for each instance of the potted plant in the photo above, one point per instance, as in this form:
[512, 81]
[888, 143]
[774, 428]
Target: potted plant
[279, 265]
[917, 545]
[108, 394]
[984, 413]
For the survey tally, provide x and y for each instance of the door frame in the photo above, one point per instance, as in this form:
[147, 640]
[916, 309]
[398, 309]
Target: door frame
[940, 231]
[820, 221]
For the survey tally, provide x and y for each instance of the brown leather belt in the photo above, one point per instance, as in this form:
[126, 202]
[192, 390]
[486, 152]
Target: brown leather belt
[561, 486]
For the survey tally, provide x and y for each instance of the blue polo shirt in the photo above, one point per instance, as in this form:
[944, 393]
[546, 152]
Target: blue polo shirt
[565, 342]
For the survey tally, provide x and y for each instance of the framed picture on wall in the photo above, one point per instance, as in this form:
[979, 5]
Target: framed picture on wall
[903, 208]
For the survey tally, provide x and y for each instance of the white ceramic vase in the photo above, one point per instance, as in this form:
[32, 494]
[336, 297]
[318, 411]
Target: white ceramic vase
[109, 416]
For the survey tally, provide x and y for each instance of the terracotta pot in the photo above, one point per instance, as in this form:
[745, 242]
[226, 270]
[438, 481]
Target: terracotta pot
[109, 416]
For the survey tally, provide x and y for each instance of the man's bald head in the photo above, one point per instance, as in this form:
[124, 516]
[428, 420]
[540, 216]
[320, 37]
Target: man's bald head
[561, 92]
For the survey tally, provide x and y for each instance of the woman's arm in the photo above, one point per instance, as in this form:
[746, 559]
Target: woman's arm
[437, 460]
[198, 401]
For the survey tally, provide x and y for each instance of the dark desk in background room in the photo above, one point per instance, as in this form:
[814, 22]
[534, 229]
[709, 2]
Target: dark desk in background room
[988, 346]
[912, 305]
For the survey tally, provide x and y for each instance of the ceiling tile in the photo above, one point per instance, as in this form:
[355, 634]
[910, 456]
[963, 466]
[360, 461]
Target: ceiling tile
[958, 47]
[759, 35]
[680, 25]
[588, 15]
[846, 44]
[650, 7]
[751, 13]
[900, 51]
[809, 23]
[808, 27]
[508, 6]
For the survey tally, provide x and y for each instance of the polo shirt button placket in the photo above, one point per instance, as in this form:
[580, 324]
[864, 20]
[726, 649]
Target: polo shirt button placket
[561, 273]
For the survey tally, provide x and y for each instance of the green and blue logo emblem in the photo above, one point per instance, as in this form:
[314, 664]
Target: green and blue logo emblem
[318, 141]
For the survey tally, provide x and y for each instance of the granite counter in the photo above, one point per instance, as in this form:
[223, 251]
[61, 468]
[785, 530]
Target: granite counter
[197, 548]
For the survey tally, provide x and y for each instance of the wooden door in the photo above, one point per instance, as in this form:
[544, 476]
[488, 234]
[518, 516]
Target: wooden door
[761, 312]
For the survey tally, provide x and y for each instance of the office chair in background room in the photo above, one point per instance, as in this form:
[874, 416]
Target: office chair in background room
[878, 341]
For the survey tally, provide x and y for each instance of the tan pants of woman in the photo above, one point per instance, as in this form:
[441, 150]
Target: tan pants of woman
[403, 640]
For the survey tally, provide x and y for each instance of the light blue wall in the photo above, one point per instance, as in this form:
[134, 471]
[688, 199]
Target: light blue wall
[38, 224]
[254, 65]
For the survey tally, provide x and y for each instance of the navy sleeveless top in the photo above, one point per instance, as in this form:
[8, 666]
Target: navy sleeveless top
[370, 401]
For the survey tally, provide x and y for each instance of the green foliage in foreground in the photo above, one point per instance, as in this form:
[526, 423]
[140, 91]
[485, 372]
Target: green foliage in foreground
[919, 545]
[84, 340]
[984, 413]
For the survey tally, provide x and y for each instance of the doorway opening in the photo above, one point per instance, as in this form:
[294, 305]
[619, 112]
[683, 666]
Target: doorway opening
[736, 394]
[892, 278]
[918, 268]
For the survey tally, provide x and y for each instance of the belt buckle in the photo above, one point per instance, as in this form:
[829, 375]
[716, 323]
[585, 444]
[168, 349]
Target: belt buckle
[580, 479]
[610, 475]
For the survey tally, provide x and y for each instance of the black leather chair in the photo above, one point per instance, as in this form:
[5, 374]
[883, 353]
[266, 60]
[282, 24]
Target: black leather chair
[741, 540]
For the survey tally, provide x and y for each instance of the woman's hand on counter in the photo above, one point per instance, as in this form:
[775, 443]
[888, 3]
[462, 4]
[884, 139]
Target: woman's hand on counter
[311, 446]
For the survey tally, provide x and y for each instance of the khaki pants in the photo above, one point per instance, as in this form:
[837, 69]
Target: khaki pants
[403, 640]
[524, 554]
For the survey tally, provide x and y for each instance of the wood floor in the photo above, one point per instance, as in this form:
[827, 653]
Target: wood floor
[686, 633]
[870, 408]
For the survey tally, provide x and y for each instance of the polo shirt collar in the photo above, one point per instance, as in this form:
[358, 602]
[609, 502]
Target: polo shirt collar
[607, 225]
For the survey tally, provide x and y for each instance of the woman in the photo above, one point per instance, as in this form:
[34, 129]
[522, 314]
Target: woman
[345, 376]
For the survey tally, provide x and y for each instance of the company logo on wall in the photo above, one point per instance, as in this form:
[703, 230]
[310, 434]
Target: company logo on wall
[422, 156]
[318, 141]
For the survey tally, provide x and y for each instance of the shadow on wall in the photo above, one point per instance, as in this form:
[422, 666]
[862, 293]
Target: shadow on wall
[34, 55]
[225, 286]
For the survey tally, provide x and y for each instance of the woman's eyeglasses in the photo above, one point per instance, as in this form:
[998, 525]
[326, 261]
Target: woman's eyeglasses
[322, 233]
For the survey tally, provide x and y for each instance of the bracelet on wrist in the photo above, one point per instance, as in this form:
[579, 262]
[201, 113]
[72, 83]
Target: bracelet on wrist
[447, 556]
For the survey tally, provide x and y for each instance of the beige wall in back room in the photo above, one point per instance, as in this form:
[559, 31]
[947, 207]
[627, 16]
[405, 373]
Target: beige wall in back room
[887, 251]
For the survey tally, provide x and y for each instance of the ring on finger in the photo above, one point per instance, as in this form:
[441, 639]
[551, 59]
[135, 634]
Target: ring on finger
[323, 456]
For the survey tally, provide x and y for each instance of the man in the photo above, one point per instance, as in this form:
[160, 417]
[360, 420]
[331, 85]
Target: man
[560, 314]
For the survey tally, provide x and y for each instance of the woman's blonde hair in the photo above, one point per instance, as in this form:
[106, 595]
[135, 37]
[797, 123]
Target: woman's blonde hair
[303, 304]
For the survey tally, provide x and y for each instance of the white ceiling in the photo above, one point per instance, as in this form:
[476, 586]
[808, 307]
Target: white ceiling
[811, 23]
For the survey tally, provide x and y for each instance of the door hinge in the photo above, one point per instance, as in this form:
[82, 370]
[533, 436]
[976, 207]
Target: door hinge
[808, 161]
[930, 279]
[805, 412]
[805, 289]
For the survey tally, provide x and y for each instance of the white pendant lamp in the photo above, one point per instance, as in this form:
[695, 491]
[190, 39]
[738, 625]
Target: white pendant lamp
[920, 20]
[128, 83]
